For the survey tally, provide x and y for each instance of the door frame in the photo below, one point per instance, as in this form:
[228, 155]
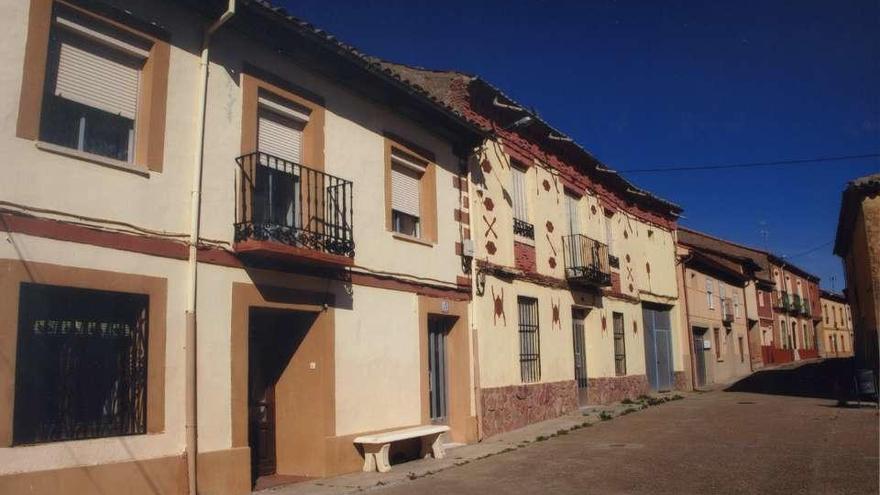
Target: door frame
[579, 315]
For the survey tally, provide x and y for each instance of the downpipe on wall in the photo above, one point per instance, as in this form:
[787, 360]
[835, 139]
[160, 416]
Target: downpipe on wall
[191, 452]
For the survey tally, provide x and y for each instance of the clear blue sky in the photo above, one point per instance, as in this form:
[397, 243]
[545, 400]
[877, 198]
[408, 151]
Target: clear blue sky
[655, 84]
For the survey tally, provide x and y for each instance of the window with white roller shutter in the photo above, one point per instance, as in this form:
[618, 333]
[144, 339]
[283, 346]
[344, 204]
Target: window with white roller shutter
[280, 129]
[92, 87]
[406, 176]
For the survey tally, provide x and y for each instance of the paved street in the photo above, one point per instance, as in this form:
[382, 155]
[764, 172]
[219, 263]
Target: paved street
[716, 442]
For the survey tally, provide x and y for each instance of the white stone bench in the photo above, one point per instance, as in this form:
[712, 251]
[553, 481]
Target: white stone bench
[376, 446]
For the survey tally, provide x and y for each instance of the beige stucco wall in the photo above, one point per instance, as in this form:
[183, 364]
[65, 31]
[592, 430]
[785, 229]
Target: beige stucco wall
[377, 362]
[117, 449]
[354, 149]
[836, 324]
[730, 364]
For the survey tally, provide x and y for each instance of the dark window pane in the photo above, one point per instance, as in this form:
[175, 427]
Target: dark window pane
[81, 364]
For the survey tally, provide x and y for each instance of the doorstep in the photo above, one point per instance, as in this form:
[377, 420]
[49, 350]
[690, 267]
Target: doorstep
[458, 454]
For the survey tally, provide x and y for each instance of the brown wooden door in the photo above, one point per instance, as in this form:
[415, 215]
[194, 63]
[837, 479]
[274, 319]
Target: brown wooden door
[261, 410]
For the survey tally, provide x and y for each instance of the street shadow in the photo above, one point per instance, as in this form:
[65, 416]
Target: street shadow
[826, 379]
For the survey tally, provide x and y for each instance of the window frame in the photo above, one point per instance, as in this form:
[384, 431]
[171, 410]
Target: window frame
[16, 272]
[619, 337]
[529, 330]
[710, 291]
[427, 229]
[149, 122]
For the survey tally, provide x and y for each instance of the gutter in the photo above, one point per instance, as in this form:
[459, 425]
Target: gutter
[191, 382]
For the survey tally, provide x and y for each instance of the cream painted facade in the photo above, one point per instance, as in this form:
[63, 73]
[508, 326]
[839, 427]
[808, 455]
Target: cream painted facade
[510, 266]
[367, 371]
[835, 331]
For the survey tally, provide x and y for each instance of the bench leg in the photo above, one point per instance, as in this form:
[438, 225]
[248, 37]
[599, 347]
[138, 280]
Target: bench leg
[434, 444]
[376, 458]
[382, 464]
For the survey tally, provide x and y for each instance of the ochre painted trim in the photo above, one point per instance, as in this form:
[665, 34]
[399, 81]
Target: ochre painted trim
[302, 443]
[313, 132]
[14, 272]
[152, 97]
[36, 50]
[461, 423]
[225, 472]
[165, 475]
[428, 185]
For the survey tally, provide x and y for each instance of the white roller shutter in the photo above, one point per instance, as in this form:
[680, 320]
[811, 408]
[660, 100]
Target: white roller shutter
[279, 136]
[97, 76]
[405, 190]
[520, 211]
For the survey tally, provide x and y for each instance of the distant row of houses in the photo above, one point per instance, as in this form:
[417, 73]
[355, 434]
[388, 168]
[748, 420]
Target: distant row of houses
[236, 245]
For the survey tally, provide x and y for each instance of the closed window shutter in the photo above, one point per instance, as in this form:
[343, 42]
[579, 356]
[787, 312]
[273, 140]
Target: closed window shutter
[573, 217]
[520, 211]
[405, 195]
[97, 76]
[279, 136]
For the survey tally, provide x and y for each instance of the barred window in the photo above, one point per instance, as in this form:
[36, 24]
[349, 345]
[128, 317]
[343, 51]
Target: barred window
[529, 340]
[81, 366]
[619, 345]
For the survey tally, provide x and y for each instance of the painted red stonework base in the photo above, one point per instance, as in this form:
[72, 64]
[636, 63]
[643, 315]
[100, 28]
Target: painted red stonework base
[614, 389]
[509, 408]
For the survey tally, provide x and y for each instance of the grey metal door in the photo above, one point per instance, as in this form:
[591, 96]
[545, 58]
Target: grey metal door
[700, 358]
[580, 355]
[658, 348]
[438, 329]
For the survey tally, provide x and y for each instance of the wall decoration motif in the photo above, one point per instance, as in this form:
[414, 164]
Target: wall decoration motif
[499, 307]
[604, 323]
[555, 305]
[549, 226]
[546, 185]
[486, 166]
[490, 226]
[488, 203]
[491, 248]
[635, 326]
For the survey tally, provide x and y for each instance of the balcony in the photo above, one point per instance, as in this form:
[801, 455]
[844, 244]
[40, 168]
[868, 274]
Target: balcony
[783, 302]
[586, 261]
[523, 229]
[291, 213]
[727, 310]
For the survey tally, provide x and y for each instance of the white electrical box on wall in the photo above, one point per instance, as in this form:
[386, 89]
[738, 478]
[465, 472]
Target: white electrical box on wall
[707, 344]
[467, 248]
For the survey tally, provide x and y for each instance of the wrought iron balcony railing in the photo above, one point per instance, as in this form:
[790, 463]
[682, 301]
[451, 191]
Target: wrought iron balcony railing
[727, 310]
[586, 260]
[288, 203]
[796, 304]
[523, 228]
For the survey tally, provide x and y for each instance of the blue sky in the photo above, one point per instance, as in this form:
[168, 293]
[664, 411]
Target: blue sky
[656, 84]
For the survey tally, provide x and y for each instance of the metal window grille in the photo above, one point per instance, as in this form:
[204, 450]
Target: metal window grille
[529, 340]
[81, 364]
[619, 345]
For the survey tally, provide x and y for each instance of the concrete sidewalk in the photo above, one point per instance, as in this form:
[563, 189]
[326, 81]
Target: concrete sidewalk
[461, 455]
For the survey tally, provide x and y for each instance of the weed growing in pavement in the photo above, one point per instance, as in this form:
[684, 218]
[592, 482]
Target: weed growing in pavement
[627, 401]
[562, 432]
[629, 410]
[605, 415]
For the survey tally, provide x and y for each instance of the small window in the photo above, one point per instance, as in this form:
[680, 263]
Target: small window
[82, 364]
[619, 345]
[761, 299]
[407, 172]
[710, 289]
[519, 194]
[609, 232]
[529, 340]
[717, 333]
[736, 304]
[92, 86]
[742, 354]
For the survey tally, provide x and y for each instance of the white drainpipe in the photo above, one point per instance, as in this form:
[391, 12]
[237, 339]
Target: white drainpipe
[195, 209]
